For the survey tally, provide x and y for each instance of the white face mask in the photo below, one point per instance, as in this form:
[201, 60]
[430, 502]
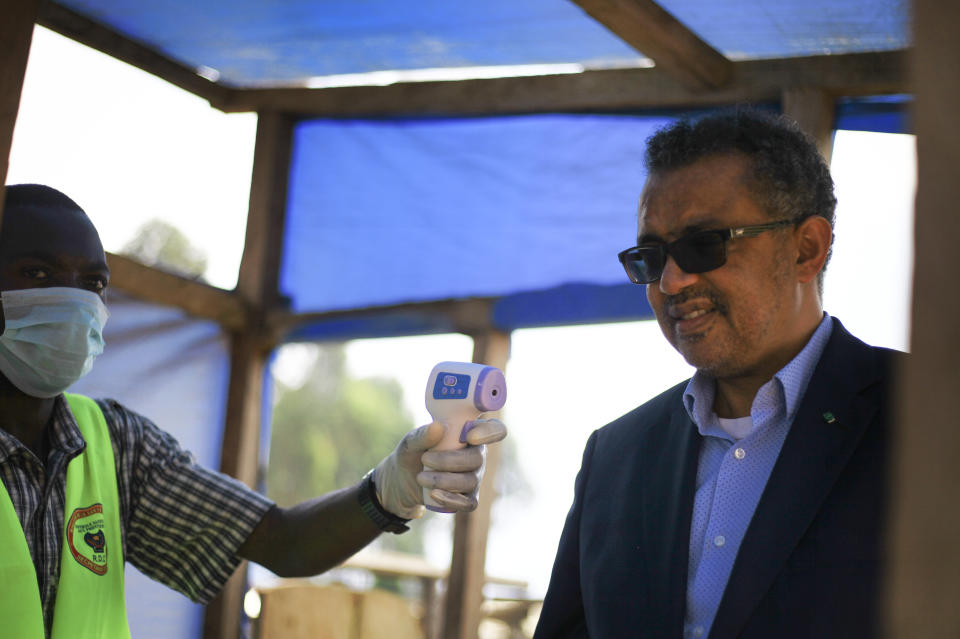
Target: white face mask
[51, 338]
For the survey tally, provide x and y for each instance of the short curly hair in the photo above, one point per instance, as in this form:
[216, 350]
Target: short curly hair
[789, 177]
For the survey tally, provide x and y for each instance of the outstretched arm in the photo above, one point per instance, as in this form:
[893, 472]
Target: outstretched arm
[311, 537]
[319, 534]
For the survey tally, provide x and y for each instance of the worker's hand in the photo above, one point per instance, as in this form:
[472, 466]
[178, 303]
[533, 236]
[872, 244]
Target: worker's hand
[454, 475]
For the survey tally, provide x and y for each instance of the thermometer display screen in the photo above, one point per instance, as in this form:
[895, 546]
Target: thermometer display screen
[451, 386]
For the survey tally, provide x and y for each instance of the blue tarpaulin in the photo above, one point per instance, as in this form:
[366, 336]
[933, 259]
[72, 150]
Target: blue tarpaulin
[530, 210]
[257, 43]
[880, 114]
[391, 211]
[174, 369]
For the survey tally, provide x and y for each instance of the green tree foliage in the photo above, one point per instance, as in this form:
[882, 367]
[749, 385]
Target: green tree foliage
[164, 246]
[329, 432]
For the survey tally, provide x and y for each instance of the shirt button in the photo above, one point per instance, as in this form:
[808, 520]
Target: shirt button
[698, 631]
[739, 453]
[719, 540]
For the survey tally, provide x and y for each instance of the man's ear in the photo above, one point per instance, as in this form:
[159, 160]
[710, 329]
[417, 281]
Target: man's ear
[814, 237]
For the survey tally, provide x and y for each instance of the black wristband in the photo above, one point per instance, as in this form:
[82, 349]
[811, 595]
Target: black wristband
[370, 505]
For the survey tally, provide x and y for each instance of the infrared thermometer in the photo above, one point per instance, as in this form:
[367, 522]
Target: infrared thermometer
[458, 393]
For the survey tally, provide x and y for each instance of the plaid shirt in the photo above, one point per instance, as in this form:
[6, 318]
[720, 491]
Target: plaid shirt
[182, 524]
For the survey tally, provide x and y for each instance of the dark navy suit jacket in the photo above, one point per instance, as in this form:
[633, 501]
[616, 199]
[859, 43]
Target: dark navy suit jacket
[809, 565]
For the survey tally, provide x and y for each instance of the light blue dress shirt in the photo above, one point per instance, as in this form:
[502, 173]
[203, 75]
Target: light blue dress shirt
[732, 474]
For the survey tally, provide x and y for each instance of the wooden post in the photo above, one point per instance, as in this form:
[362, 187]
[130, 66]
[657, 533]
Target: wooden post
[260, 265]
[16, 32]
[814, 110]
[258, 286]
[461, 616]
[923, 585]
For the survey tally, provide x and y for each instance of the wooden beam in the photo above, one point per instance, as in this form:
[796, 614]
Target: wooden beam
[400, 564]
[258, 280]
[815, 111]
[16, 32]
[606, 90]
[104, 39]
[257, 285]
[470, 316]
[159, 287]
[924, 579]
[461, 616]
[648, 28]
[239, 458]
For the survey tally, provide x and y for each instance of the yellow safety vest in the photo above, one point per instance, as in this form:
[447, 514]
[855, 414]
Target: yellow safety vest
[90, 598]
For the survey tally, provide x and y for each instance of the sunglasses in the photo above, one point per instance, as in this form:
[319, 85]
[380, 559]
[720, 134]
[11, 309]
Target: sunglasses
[694, 253]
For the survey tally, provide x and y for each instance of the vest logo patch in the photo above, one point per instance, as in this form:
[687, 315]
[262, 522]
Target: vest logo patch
[87, 541]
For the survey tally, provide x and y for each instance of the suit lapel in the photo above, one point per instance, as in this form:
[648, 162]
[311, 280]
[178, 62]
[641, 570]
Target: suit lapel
[667, 480]
[828, 426]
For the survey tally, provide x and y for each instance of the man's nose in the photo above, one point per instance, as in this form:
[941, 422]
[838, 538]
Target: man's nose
[67, 279]
[674, 279]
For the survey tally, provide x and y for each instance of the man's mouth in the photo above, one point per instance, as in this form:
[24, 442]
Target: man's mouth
[690, 310]
[694, 314]
[691, 304]
[692, 324]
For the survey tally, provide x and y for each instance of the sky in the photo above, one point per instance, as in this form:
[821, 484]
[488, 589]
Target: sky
[129, 147]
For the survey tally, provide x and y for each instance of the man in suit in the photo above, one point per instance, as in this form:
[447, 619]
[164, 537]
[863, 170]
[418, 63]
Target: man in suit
[749, 501]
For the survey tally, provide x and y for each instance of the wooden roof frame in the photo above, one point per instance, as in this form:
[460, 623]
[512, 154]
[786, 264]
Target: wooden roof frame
[854, 74]
[648, 28]
[690, 74]
[609, 90]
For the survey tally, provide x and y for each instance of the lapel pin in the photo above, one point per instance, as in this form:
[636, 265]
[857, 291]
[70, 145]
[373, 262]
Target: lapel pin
[829, 417]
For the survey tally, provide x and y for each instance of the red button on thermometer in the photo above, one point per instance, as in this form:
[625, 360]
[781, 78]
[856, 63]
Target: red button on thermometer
[458, 393]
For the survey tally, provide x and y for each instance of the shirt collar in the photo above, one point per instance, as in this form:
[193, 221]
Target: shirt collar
[64, 433]
[791, 381]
